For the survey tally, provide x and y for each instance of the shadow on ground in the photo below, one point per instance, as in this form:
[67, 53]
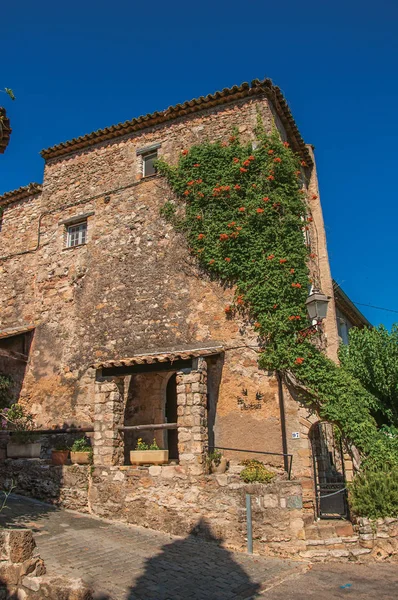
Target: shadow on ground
[190, 568]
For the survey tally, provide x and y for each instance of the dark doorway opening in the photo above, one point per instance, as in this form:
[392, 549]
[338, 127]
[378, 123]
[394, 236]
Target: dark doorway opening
[171, 417]
[328, 461]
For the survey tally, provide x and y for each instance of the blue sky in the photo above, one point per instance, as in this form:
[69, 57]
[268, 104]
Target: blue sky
[79, 66]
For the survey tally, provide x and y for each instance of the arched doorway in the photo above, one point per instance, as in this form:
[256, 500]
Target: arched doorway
[171, 417]
[328, 464]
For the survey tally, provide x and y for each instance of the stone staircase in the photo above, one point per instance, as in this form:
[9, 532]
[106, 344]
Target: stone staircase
[332, 540]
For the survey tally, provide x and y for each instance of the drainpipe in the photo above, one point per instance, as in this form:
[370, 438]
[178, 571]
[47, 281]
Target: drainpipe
[283, 422]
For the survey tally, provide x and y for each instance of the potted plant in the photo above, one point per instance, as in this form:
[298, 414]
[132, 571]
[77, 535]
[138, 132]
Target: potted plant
[81, 452]
[145, 454]
[217, 462]
[60, 454]
[23, 442]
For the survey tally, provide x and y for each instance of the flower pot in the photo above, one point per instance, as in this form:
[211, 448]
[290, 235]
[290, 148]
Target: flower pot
[80, 458]
[59, 457]
[221, 467]
[149, 457]
[30, 450]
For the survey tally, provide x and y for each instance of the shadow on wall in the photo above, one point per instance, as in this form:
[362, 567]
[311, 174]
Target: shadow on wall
[191, 568]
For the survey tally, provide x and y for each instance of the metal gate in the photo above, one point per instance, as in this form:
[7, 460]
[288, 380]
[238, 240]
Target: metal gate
[330, 489]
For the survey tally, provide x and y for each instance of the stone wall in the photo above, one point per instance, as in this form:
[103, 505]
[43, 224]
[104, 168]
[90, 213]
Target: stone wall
[169, 499]
[64, 486]
[364, 540]
[22, 572]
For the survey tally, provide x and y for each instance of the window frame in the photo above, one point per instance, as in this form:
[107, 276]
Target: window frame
[145, 157]
[82, 233]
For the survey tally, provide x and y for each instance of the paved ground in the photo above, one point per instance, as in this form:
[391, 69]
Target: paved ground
[338, 581]
[132, 563]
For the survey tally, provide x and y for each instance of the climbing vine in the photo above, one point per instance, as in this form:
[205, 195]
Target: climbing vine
[245, 216]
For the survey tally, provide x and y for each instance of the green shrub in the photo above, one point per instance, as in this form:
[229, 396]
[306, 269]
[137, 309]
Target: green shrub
[255, 471]
[374, 494]
[214, 457]
[81, 445]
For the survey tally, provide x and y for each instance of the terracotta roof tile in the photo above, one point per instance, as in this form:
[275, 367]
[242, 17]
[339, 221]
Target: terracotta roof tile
[148, 359]
[23, 192]
[232, 94]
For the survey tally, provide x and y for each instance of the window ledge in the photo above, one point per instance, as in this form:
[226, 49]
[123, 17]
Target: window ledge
[74, 247]
[77, 219]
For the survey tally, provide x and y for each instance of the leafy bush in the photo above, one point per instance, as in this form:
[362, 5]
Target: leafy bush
[5, 384]
[214, 457]
[61, 447]
[374, 494]
[81, 445]
[255, 471]
[18, 420]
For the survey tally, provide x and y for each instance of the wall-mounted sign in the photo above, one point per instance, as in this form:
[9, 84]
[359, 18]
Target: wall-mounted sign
[295, 435]
[242, 402]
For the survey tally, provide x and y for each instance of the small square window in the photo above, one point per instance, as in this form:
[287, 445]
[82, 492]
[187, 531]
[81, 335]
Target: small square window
[76, 234]
[148, 166]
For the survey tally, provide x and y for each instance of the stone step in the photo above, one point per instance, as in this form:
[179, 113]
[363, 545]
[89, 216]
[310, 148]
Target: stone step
[329, 529]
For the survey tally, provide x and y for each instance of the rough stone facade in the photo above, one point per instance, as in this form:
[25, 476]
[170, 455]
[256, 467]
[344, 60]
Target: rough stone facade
[134, 289]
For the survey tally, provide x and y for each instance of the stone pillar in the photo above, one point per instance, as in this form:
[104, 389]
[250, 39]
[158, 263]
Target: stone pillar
[192, 417]
[108, 416]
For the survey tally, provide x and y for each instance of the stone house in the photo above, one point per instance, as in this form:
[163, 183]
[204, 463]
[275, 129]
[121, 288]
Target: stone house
[106, 322]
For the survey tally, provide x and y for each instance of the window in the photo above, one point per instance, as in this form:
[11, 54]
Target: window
[76, 234]
[148, 166]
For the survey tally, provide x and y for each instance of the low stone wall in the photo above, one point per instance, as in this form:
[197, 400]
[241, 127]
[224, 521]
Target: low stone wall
[64, 486]
[22, 572]
[168, 499]
[364, 540]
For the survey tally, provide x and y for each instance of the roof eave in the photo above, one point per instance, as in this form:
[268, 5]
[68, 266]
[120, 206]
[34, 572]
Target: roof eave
[32, 189]
[227, 95]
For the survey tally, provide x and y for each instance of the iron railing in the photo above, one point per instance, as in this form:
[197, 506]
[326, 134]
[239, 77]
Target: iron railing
[289, 456]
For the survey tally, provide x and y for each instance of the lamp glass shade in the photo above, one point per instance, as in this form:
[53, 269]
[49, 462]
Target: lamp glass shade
[317, 305]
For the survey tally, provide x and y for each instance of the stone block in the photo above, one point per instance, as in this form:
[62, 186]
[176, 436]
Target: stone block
[344, 529]
[222, 479]
[21, 545]
[336, 553]
[33, 566]
[32, 583]
[155, 470]
[9, 573]
[270, 501]
[294, 502]
[360, 551]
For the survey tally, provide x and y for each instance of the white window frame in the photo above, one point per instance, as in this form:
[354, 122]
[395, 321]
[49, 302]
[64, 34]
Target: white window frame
[76, 234]
[151, 154]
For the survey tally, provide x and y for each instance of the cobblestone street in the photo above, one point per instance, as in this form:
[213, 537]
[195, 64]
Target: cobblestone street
[131, 563]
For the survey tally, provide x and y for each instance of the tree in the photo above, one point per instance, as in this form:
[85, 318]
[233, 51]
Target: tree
[372, 357]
